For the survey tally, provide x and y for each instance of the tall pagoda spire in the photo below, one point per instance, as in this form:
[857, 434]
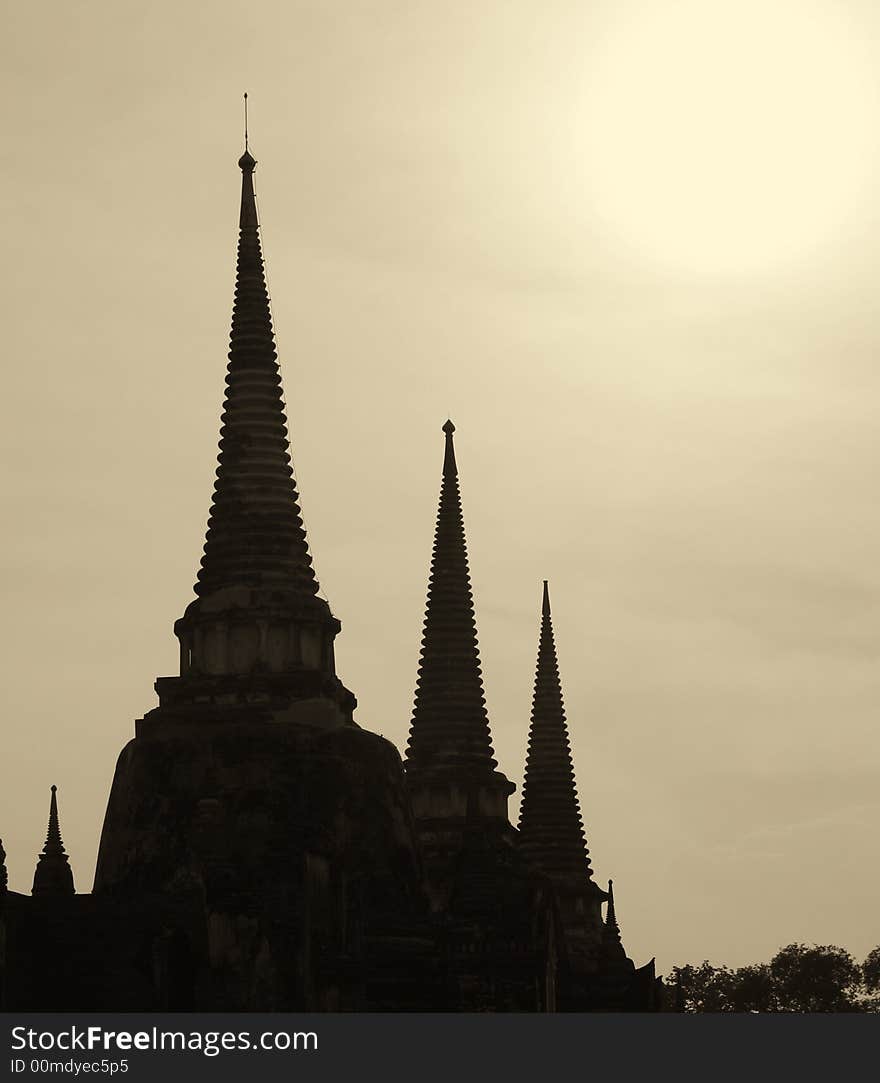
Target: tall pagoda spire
[53, 875]
[450, 726]
[257, 613]
[550, 827]
[255, 531]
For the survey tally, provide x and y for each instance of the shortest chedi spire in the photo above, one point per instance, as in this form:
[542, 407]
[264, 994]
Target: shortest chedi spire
[53, 874]
[550, 825]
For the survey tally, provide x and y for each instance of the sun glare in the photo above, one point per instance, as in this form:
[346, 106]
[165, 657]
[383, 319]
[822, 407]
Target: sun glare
[729, 135]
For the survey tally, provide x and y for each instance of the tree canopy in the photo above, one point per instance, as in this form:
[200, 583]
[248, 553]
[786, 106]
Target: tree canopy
[799, 978]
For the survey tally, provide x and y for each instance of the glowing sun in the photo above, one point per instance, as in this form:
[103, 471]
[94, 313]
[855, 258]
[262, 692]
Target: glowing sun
[729, 135]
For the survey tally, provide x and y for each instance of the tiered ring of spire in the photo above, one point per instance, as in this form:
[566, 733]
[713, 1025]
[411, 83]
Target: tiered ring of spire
[255, 531]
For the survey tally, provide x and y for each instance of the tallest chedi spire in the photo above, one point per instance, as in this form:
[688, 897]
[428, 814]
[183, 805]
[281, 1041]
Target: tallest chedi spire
[257, 631]
[251, 810]
[255, 531]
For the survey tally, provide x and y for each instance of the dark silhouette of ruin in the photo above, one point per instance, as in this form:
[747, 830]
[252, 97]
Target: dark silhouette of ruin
[261, 850]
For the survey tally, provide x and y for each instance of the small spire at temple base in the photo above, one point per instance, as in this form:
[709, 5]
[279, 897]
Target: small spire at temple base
[612, 946]
[53, 874]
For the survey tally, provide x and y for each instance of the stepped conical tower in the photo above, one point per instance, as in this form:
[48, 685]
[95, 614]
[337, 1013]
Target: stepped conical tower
[449, 732]
[255, 531]
[551, 833]
[450, 763]
[257, 639]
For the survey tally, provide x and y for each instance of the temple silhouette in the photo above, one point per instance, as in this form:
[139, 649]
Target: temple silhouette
[260, 850]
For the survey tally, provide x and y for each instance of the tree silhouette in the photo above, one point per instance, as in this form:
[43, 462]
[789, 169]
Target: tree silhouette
[821, 978]
[752, 989]
[799, 978]
[704, 988]
[871, 980]
[871, 971]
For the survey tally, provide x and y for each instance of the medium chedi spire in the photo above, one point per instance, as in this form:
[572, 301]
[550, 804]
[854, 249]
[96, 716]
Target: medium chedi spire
[255, 531]
[550, 827]
[53, 875]
[450, 726]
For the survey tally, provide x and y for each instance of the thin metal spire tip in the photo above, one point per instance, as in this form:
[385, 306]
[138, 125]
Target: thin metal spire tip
[245, 123]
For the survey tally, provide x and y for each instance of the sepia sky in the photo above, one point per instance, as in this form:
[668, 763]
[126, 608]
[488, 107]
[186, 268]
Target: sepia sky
[631, 247]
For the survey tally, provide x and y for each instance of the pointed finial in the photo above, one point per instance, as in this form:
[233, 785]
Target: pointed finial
[246, 162]
[449, 467]
[3, 874]
[545, 604]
